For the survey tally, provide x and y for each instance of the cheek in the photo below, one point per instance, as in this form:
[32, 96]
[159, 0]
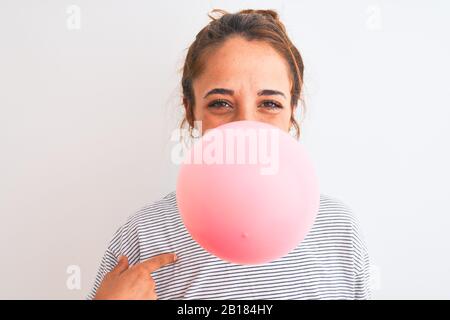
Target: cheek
[207, 120]
[210, 121]
[281, 120]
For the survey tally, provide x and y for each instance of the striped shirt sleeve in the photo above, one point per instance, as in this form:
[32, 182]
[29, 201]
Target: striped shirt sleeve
[108, 262]
[125, 241]
[109, 259]
[360, 255]
[361, 261]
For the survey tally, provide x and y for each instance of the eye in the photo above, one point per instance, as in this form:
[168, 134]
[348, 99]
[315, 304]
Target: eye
[217, 104]
[271, 105]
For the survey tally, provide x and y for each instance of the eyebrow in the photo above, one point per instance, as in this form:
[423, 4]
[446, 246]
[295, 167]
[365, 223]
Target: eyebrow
[264, 92]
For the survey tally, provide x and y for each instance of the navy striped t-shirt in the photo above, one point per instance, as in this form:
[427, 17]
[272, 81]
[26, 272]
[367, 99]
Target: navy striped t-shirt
[332, 261]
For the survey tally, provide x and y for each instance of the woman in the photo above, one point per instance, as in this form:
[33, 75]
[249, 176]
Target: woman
[241, 66]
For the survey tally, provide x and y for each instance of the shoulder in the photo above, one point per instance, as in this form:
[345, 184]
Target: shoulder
[162, 209]
[144, 226]
[338, 219]
[138, 235]
[333, 210]
[156, 212]
[337, 224]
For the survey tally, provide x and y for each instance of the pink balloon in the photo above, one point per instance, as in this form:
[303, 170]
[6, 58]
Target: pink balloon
[241, 210]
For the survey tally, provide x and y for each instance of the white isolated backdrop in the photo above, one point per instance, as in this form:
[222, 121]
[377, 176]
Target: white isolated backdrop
[89, 95]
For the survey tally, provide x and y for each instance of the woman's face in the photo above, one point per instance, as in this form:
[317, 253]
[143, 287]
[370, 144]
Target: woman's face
[243, 80]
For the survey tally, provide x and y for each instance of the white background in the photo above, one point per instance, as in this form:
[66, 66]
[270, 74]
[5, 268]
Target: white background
[86, 116]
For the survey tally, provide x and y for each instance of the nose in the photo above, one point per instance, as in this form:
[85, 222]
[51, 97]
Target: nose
[245, 112]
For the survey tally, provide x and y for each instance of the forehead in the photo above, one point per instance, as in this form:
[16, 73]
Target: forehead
[242, 63]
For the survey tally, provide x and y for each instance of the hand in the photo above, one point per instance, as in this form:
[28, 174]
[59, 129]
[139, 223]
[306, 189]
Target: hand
[134, 282]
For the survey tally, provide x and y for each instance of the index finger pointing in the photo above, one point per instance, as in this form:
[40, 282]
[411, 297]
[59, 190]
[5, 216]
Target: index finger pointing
[156, 262]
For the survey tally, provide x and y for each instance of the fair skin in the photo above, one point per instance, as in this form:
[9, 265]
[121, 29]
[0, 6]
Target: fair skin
[242, 80]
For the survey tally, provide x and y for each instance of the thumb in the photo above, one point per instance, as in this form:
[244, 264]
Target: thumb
[122, 265]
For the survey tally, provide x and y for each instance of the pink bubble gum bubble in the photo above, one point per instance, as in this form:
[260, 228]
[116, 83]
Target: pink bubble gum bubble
[247, 192]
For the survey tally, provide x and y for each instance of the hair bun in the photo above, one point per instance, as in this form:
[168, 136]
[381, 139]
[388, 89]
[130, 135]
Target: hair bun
[216, 14]
[267, 13]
